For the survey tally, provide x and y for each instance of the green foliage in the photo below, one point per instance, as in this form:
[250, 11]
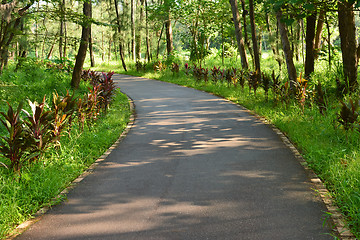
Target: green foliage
[16, 146]
[63, 110]
[349, 113]
[22, 194]
[38, 123]
[107, 88]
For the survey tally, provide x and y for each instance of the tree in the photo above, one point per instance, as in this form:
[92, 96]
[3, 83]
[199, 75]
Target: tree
[10, 23]
[254, 40]
[286, 48]
[168, 28]
[119, 32]
[85, 35]
[349, 49]
[238, 33]
[310, 36]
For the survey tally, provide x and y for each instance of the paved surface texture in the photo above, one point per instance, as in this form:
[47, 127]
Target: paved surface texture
[193, 167]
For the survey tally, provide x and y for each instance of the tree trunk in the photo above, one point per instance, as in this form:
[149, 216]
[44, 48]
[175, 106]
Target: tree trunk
[286, 48]
[274, 44]
[80, 57]
[254, 40]
[109, 52]
[246, 38]
[319, 29]
[92, 59]
[310, 35]
[120, 38]
[133, 30]
[347, 32]
[158, 43]
[62, 23]
[238, 33]
[329, 40]
[147, 34]
[139, 30]
[169, 36]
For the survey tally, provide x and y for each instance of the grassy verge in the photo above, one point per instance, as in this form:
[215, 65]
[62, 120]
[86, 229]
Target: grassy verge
[329, 150]
[20, 197]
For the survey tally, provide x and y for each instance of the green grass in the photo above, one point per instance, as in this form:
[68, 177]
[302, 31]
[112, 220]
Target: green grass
[21, 197]
[330, 151]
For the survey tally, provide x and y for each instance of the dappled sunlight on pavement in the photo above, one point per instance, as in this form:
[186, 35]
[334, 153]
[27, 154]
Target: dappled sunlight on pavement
[193, 167]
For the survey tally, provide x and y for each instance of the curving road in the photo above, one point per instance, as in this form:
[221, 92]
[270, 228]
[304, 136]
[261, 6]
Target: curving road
[193, 167]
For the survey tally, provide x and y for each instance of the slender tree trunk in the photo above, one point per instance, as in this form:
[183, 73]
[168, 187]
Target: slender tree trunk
[347, 32]
[158, 43]
[238, 33]
[310, 35]
[133, 30]
[48, 56]
[120, 38]
[286, 48]
[328, 39]
[92, 59]
[147, 34]
[140, 29]
[319, 29]
[246, 38]
[254, 40]
[168, 28]
[80, 58]
[169, 36]
[109, 48]
[273, 44]
[62, 23]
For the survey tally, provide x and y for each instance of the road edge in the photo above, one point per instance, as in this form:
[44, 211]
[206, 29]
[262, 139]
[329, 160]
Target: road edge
[338, 221]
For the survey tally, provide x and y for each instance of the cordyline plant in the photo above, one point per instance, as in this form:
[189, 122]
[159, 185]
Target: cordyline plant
[16, 146]
[348, 114]
[63, 109]
[88, 106]
[107, 88]
[38, 126]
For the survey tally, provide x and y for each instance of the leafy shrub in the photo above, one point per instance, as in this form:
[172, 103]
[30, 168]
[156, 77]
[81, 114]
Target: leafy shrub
[63, 110]
[158, 66]
[254, 81]
[39, 122]
[175, 68]
[107, 89]
[16, 146]
[187, 68]
[266, 82]
[348, 113]
[140, 66]
[320, 98]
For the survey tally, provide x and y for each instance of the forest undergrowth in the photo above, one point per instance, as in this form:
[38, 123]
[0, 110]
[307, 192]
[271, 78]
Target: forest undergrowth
[318, 116]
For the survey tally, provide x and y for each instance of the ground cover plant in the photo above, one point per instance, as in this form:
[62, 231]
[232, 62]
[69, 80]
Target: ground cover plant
[317, 116]
[52, 142]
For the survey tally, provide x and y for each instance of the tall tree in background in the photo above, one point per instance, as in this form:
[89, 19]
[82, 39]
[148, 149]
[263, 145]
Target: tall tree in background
[139, 29]
[286, 47]
[85, 35]
[10, 24]
[133, 30]
[349, 49]
[254, 40]
[310, 36]
[120, 38]
[168, 28]
[238, 33]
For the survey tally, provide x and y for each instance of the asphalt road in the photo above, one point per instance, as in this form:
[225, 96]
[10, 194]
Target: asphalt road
[193, 167]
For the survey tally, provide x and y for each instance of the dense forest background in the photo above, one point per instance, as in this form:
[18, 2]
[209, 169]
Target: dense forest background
[297, 34]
